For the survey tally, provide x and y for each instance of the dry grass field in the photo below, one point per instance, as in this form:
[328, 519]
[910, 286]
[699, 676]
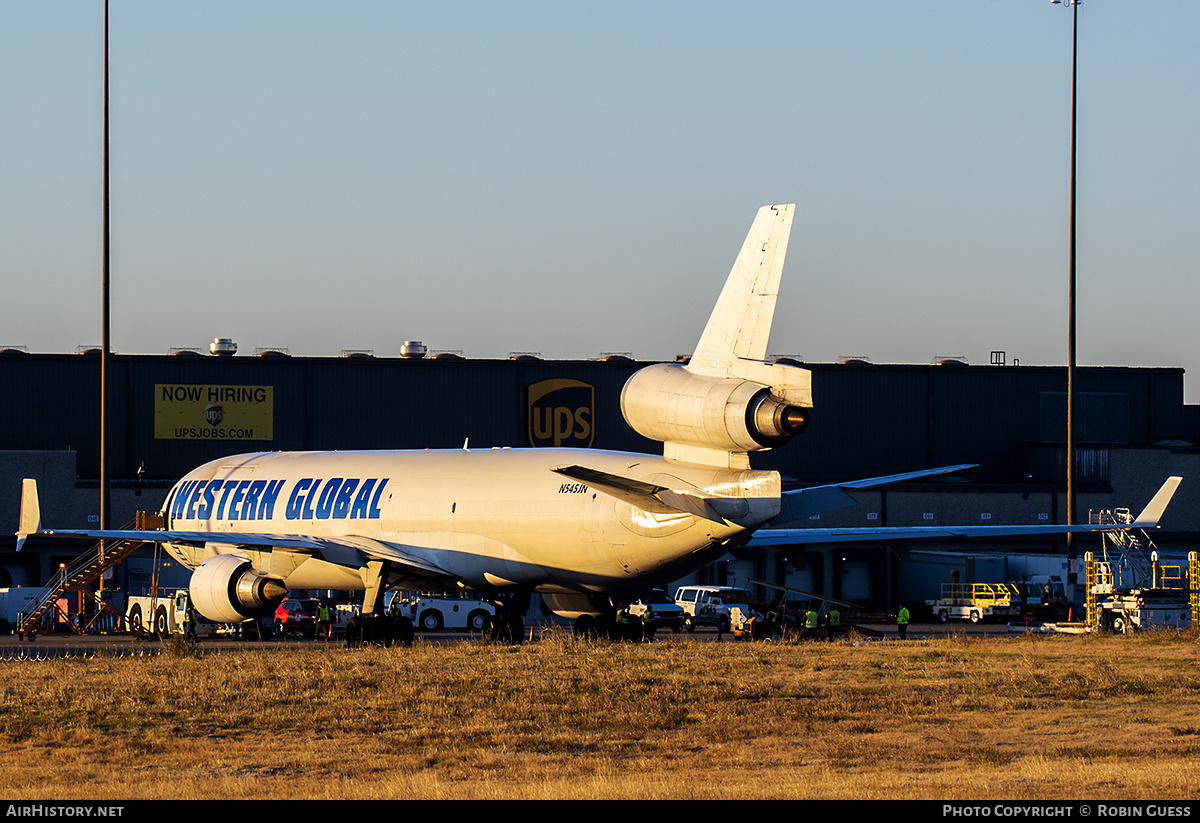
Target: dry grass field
[955, 718]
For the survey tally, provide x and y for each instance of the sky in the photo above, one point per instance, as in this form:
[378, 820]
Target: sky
[576, 178]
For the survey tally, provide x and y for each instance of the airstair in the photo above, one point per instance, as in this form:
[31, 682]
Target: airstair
[78, 576]
[1127, 556]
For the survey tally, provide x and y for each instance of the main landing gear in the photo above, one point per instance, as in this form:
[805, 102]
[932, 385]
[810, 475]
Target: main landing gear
[378, 629]
[373, 626]
[506, 626]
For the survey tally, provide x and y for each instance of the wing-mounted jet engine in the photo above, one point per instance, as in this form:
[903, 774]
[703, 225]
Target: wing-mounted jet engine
[226, 589]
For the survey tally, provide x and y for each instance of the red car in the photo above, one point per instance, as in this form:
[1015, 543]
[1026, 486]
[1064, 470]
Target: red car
[296, 616]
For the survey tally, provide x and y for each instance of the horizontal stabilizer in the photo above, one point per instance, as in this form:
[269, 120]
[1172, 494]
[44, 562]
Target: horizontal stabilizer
[659, 499]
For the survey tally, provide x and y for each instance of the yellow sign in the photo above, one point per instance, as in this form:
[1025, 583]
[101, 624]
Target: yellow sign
[193, 412]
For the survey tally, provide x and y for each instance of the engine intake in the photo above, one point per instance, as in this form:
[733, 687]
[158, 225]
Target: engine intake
[226, 589]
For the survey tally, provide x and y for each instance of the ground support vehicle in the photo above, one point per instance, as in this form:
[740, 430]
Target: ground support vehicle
[974, 602]
[297, 616]
[713, 606]
[1039, 598]
[339, 615]
[738, 611]
[1142, 609]
[1166, 603]
[166, 614]
[160, 615]
[12, 602]
[663, 615]
[431, 612]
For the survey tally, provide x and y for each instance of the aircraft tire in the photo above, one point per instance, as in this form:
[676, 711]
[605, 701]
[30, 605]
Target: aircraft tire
[516, 630]
[354, 632]
[403, 631]
[253, 630]
[585, 627]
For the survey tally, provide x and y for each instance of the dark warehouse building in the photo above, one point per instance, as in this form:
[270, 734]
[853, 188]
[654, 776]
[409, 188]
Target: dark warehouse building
[174, 412]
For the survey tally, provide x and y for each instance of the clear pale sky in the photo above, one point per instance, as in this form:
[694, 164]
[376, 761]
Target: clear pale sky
[573, 178]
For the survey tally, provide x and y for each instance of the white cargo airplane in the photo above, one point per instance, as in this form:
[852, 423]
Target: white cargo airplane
[590, 530]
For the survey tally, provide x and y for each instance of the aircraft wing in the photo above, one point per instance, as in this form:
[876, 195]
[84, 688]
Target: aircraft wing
[349, 550]
[1148, 519]
[801, 503]
[328, 548]
[257, 541]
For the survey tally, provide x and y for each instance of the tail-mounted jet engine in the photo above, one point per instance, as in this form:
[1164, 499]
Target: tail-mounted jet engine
[226, 589]
[667, 402]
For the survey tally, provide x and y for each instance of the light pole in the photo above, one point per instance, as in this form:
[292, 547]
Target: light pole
[1072, 553]
[105, 491]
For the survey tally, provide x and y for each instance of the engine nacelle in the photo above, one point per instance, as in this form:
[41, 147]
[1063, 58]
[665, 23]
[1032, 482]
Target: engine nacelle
[669, 403]
[226, 589]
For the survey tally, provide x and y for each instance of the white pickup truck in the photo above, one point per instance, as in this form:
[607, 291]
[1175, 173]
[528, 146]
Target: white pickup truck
[720, 606]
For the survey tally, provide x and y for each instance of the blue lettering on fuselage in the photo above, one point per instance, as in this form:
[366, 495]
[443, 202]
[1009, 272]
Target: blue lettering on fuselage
[338, 498]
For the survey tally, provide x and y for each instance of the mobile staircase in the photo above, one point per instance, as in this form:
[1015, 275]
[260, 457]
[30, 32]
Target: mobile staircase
[1127, 557]
[78, 576]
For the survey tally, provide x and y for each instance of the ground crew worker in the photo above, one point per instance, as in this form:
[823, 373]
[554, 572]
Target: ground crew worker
[648, 623]
[811, 621]
[902, 620]
[623, 624]
[835, 624]
[323, 620]
[189, 623]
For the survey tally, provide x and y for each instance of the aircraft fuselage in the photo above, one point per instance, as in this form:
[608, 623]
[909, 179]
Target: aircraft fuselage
[491, 518]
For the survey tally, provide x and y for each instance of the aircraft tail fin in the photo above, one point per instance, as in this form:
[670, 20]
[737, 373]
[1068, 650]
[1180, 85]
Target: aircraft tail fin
[30, 521]
[740, 323]
[728, 401]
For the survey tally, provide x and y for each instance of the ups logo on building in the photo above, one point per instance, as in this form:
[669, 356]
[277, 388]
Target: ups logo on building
[562, 413]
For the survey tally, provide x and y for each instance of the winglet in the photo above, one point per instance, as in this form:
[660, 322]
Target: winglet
[1150, 515]
[31, 513]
